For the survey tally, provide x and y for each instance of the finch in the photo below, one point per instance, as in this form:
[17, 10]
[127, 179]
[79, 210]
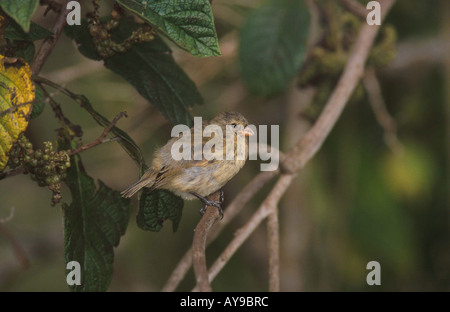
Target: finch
[198, 177]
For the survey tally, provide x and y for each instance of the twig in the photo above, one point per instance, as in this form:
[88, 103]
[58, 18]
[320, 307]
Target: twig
[273, 240]
[355, 8]
[58, 111]
[411, 53]
[12, 173]
[199, 244]
[17, 247]
[47, 46]
[308, 146]
[230, 212]
[101, 138]
[242, 234]
[382, 115]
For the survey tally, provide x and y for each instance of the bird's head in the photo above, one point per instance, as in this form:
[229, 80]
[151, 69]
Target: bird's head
[235, 120]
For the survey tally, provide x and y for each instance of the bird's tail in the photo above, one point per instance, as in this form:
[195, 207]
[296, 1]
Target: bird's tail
[134, 188]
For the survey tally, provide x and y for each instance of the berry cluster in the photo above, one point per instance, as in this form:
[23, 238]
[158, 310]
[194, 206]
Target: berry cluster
[46, 166]
[100, 32]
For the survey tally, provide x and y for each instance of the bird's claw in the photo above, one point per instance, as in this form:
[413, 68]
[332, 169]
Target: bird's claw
[212, 203]
[222, 196]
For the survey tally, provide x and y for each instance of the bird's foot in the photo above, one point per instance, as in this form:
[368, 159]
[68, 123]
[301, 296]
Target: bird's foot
[208, 202]
[222, 196]
[216, 204]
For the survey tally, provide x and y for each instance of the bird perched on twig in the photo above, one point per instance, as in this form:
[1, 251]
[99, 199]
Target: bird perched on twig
[197, 178]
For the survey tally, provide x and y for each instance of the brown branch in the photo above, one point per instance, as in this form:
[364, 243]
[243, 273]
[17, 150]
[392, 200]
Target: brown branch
[355, 8]
[16, 246]
[12, 173]
[101, 138]
[308, 146]
[382, 115]
[273, 240]
[49, 43]
[242, 234]
[210, 216]
[231, 211]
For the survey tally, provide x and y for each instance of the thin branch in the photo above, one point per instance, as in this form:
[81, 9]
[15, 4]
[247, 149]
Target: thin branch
[101, 138]
[16, 245]
[12, 173]
[242, 234]
[354, 7]
[382, 115]
[49, 43]
[199, 244]
[231, 211]
[273, 244]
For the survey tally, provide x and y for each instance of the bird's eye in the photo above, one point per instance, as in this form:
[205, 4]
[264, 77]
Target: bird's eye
[234, 125]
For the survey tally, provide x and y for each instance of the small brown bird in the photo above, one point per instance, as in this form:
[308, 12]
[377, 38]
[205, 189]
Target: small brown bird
[192, 178]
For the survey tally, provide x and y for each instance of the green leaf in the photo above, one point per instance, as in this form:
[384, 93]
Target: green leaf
[188, 23]
[157, 206]
[93, 225]
[39, 102]
[24, 49]
[20, 11]
[15, 32]
[272, 45]
[150, 68]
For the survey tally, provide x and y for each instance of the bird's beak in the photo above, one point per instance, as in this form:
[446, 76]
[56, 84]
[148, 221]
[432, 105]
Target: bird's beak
[246, 132]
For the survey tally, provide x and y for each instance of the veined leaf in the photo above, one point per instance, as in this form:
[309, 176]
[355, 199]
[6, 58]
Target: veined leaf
[93, 225]
[273, 45]
[188, 23]
[150, 68]
[16, 98]
[23, 41]
[15, 32]
[20, 11]
[157, 206]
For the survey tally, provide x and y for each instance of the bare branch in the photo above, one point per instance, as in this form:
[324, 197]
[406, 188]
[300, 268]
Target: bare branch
[231, 211]
[382, 115]
[49, 43]
[199, 244]
[101, 138]
[16, 245]
[243, 233]
[12, 173]
[273, 240]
